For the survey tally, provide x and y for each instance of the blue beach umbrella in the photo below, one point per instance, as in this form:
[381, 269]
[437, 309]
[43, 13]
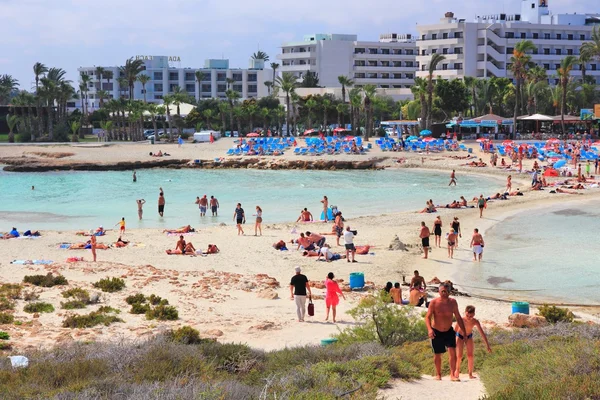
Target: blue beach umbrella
[411, 138]
[425, 132]
[559, 163]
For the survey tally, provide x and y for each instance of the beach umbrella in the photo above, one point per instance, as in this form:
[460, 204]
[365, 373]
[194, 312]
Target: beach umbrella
[338, 130]
[429, 139]
[507, 143]
[309, 132]
[550, 172]
[481, 140]
[253, 134]
[559, 164]
[411, 138]
[553, 141]
[425, 132]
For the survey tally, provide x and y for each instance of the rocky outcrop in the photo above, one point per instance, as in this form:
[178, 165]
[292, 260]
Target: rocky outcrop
[26, 164]
[519, 320]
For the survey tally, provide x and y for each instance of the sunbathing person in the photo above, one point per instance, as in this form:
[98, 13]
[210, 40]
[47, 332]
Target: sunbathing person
[328, 255]
[430, 208]
[305, 216]
[463, 201]
[183, 229]
[211, 249]
[121, 243]
[559, 190]
[578, 186]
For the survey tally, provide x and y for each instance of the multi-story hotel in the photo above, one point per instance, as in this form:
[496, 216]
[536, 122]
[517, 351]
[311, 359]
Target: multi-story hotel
[389, 63]
[165, 76]
[483, 48]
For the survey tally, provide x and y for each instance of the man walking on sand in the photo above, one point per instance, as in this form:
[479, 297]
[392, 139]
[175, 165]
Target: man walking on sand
[440, 331]
[452, 178]
[298, 287]
[424, 235]
[481, 203]
[349, 244]
[477, 245]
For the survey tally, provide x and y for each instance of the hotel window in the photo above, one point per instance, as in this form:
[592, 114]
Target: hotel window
[237, 88]
[408, 64]
[221, 88]
[158, 87]
[458, 35]
[547, 67]
[157, 96]
[546, 51]
[385, 51]
[359, 50]
[444, 51]
[252, 88]
[535, 35]
[422, 37]
[434, 36]
[206, 88]
[207, 76]
[444, 67]
[397, 76]
[221, 77]
[510, 35]
[409, 52]
[445, 35]
[558, 52]
[252, 78]
[569, 52]
[172, 87]
[384, 86]
[189, 76]
[510, 50]
[237, 77]
[458, 66]
[546, 36]
[558, 36]
[581, 37]
[190, 88]
[593, 67]
[173, 76]
[523, 35]
[458, 50]
[410, 76]
[570, 36]
[71, 104]
[359, 75]
[556, 66]
[433, 51]
[423, 53]
[398, 52]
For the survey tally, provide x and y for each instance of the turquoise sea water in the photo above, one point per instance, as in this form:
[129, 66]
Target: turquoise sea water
[84, 200]
[548, 253]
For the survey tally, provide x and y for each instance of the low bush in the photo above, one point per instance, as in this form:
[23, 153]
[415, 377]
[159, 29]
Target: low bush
[135, 299]
[11, 291]
[157, 300]
[110, 285]
[6, 318]
[5, 346]
[78, 294]
[108, 309]
[186, 335]
[163, 313]
[386, 323]
[139, 308]
[6, 304]
[39, 307]
[45, 280]
[72, 305]
[30, 295]
[4, 335]
[90, 320]
[555, 314]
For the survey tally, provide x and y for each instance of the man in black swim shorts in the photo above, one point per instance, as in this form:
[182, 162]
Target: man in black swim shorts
[440, 330]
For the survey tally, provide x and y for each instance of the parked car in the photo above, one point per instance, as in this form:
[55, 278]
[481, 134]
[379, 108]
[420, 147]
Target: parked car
[148, 133]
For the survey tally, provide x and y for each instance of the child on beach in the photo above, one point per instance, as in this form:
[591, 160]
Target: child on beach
[470, 322]
[121, 223]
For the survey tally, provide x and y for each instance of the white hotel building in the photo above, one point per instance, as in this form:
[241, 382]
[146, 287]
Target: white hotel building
[165, 76]
[389, 63]
[483, 48]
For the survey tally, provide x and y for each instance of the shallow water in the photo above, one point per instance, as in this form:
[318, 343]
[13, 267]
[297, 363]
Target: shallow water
[83, 200]
[548, 253]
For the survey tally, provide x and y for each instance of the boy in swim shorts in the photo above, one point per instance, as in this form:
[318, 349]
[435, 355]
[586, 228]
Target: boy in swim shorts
[467, 338]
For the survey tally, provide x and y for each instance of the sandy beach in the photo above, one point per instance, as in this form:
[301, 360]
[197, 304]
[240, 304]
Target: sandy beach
[242, 293]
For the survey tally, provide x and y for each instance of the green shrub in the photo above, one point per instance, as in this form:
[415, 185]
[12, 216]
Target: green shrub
[110, 285]
[138, 308]
[385, 322]
[90, 320]
[4, 335]
[29, 295]
[186, 335]
[163, 313]
[5, 346]
[39, 307]
[157, 300]
[6, 304]
[555, 314]
[108, 309]
[78, 294]
[11, 291]
[72, 305]
[45, 280]
[135, 299]
[6, 318]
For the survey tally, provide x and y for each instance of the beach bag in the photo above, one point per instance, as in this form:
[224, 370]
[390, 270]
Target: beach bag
[311, 307]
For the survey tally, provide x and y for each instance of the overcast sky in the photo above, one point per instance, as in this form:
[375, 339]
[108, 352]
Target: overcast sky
[73, 33]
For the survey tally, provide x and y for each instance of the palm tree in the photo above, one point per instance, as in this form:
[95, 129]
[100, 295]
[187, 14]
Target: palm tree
[143, 79]
[102, 94]
[471, 84]
[199, 78]
[99, 75]
[269, 85]
[355, 103]
[223, 110]
[230, 83]
[274, 67]
[590, 50]
[85, 80]
[106, 126]
[122, 82]
[326, 104]
[564, 75]
[520, 62]
[345, 82]
[584, 58]
[209, 115]
[310, 104]
[8, 84]
[39, 70]
[232, 98]
[419, 90]
[238, 112]
[153, 111]
[287, 82]
[26, 99]
[168, 100]
[369, 98]
[436, 58]
[108, 75]
[250, 109]
[265, 113]
[260, 55]
[341, 109]
[75, 125]
[130, 71]
[11, 120]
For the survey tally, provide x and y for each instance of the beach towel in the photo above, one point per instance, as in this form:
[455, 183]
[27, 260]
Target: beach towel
[74, 259]
[64, 245]
[32, 262]
[179, 234]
